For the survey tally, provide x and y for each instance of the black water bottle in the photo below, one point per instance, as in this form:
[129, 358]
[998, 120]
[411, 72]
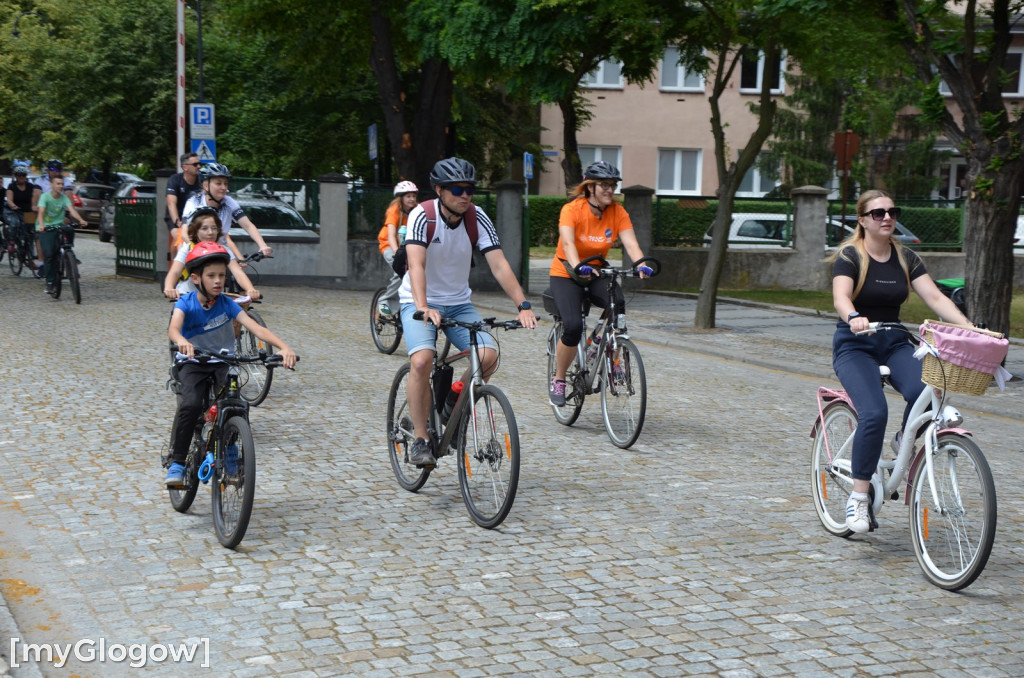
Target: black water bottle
[449, 402]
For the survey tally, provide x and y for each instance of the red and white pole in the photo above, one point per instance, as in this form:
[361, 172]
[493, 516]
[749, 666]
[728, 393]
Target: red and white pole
[181, 83]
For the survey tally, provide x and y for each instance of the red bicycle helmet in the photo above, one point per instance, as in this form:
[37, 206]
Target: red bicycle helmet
[203, 253]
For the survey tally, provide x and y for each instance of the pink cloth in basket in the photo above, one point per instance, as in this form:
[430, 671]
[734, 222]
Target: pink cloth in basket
[967, 348]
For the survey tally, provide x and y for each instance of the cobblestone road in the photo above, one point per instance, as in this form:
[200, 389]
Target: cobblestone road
[696, 552]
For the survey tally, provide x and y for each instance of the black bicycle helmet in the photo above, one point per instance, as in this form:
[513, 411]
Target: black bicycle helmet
[20, 169]
[602, 170]
[452, 171]
[213, 169]
[54, 165]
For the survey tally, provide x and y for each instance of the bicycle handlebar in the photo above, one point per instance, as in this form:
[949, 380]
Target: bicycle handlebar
[475, 325]
[258, 255]
[604, 269]
[270, 361]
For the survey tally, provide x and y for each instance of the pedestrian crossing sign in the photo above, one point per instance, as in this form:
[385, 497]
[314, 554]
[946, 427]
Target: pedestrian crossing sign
[206, 149]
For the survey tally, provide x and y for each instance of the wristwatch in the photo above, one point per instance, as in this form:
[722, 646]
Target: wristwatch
[852, 315]
[525, 306]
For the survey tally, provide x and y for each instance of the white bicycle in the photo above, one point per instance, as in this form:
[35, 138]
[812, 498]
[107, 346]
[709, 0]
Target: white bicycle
[948, 487]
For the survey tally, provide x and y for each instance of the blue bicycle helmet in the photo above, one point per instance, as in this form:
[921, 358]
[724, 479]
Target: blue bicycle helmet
[54, 165]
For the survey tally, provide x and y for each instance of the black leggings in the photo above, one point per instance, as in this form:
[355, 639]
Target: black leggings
[191, 393]
[569, 298]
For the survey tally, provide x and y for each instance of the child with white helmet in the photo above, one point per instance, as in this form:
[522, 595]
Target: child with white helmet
[392, 237]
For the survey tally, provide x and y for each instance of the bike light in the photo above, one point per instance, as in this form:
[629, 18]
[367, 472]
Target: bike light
[950, 417]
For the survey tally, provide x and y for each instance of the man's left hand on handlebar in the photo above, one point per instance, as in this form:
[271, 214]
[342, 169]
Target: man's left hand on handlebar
[527, 319]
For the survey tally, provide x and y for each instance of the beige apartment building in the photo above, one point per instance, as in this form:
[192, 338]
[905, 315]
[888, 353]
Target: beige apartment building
[659, 134]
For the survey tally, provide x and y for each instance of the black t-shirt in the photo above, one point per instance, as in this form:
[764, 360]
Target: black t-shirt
[176, 185]
[22, 198]
[885, 286]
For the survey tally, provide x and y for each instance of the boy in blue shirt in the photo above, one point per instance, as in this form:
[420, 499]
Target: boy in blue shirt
[203, 319]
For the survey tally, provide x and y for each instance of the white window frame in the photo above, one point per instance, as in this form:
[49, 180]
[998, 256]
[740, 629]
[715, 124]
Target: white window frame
[612, 154]
[760, 75]
[755, 173]
[1018, 94]
[669, 64]
[595, 78]
[677, 172]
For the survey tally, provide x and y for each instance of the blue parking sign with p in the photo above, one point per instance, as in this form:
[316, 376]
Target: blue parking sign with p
[202, 121]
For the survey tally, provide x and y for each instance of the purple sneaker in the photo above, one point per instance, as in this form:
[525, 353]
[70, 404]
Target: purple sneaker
[556, 394]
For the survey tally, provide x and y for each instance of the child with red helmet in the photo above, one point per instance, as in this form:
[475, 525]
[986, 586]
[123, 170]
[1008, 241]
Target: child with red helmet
[204, 319]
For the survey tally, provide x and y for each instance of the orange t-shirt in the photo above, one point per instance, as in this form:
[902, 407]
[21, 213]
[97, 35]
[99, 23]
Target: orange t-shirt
[593, 236]
[394, 216]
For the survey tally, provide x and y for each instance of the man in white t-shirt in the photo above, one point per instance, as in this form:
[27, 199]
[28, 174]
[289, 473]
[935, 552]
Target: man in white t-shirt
[437, 283]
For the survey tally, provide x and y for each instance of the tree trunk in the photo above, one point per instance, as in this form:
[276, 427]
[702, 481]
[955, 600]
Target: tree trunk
[390, 92]
[707, 300]
[988, 243]
[572, 169]
[433, 116]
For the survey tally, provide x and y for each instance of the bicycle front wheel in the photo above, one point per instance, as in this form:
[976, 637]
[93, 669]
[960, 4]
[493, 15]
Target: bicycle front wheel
[234, 485]
[488, 449]
[624, 395]
[952, 541]
[255, 385]
[831, 469]
[71, 269]
[15, 259]
[386, 329]
[574, 386]
[401, 434]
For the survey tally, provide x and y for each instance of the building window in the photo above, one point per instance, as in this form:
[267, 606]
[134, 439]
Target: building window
[675, 77]
[752, 68]
[607, 75]
[759, 179]
[679, 171]
[612, 154]
[1013, 86]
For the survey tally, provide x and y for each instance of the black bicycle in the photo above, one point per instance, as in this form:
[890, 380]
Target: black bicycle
[257, 378]
[18, 241]
[67, 264]
[386, 328]
[222, 451]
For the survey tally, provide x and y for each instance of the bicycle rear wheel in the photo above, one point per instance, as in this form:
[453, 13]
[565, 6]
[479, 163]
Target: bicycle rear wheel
[386, 330]
[624, 395]
[953, 541]
[234, 485]
[71, 269]
[182, 497]
[488, 449]
[831, 469]
[574, 386]
[15, 258]
[401, 434]
[255, 384]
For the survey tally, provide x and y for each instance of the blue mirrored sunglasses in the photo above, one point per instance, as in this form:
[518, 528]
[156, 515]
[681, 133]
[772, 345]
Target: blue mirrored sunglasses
[459, 190]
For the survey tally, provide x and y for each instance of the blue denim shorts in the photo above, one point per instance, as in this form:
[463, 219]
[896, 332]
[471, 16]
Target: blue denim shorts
[420, 336]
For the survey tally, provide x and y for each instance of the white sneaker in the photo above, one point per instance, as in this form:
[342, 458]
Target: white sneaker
[897, 440]
[857, 513]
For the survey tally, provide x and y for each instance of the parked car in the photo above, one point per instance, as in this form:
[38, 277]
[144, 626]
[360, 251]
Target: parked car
[903, 234]
[271, 215]
[1018, 236]
[89, 200]
[755, 230]
[129, 189]
[115, 179]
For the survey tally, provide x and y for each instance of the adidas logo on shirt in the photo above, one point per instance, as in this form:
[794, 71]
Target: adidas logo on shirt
[436, 239]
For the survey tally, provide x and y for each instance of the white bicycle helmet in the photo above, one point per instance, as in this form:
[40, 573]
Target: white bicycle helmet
[403, 187]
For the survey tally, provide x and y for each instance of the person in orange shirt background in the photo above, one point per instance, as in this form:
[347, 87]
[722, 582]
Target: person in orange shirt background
[392, 237]
[587, 226]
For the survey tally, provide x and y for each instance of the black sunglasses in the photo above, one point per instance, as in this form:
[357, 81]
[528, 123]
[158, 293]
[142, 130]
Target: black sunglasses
[879, 213]
[459, 190]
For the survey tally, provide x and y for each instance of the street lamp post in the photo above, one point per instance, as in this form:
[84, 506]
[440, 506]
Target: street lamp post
[49, 26]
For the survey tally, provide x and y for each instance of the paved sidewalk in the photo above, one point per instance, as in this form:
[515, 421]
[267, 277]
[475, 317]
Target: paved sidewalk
[696, 552]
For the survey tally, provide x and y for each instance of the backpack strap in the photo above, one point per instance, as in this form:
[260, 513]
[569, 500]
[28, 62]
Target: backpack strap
[468, 219]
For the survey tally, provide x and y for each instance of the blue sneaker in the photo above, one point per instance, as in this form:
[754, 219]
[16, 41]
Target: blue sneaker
[175, 475]
[231, 460]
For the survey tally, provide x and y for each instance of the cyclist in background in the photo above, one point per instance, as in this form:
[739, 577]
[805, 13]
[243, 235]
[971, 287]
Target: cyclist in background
[872, 276]
[437, 283]
[215, 178]
[392, 237]
[22, 196]
[179, 188]
[587, 226]
[54, 168]
[51, 209]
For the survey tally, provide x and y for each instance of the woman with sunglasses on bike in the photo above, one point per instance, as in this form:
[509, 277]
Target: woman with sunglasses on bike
[872, 276]
[587, 226]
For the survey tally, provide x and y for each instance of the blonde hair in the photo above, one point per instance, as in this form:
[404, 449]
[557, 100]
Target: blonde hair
[397, 200]
[857, 242]
[582, 189]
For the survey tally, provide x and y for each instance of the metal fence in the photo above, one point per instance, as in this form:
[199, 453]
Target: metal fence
[135, 237]
[933, 225]
[685, 221]
[368, 204]
[302, 194]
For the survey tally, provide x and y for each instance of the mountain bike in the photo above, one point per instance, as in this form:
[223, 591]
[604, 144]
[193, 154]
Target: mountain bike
[17, 241]
[608, 362]
[222, 451]
[386, 328]
[67, 265]
[480, 430]
[949, 486]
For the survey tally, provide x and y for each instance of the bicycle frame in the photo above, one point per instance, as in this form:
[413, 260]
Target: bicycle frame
[446, 432]
[928, 408]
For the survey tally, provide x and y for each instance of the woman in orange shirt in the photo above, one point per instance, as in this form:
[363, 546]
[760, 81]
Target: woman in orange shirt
[588, 226]
[392, 235]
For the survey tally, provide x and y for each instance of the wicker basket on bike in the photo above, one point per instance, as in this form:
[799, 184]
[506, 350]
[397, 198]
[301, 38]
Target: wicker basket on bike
[961, 358]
